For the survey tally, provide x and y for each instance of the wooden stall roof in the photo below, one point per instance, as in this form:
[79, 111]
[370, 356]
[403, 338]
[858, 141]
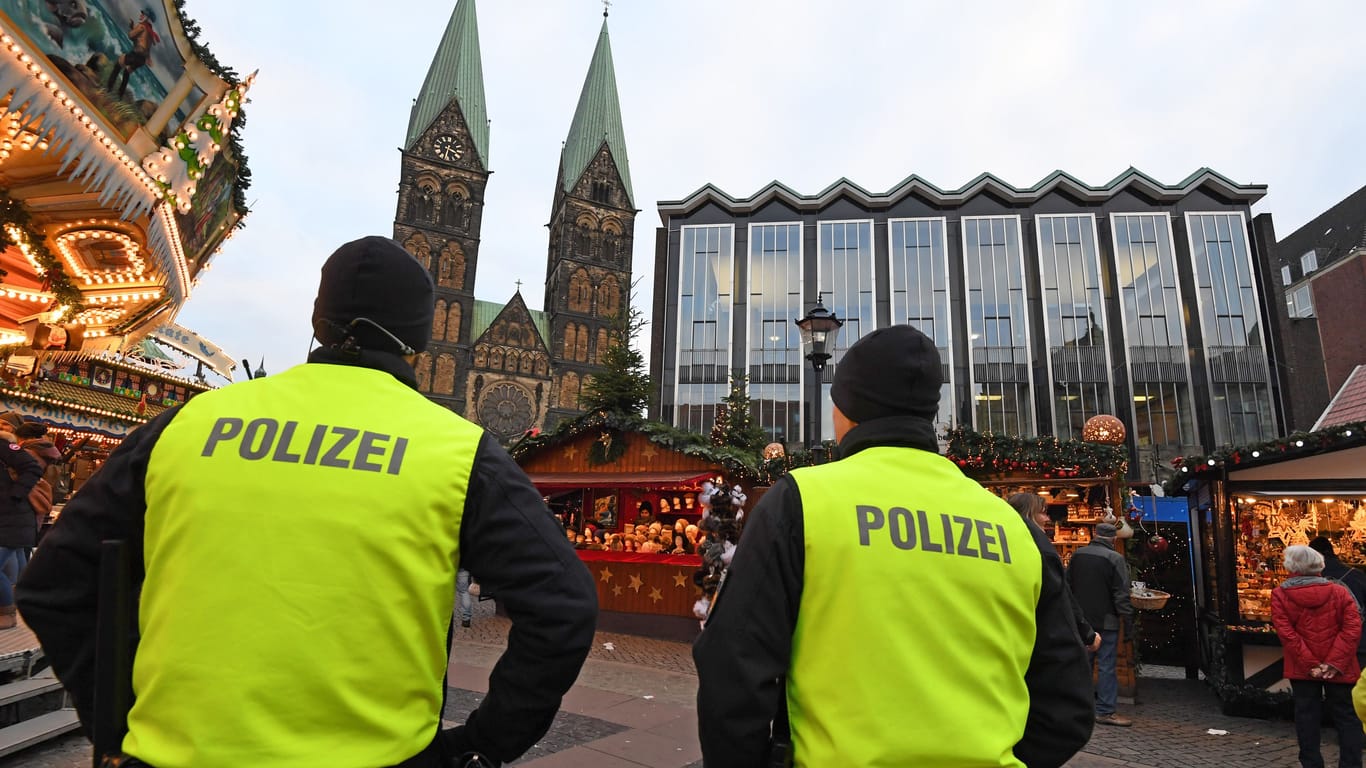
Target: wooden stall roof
[640, 456]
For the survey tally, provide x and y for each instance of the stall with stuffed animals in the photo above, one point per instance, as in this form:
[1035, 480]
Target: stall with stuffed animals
[602, 484]
[1247, 505]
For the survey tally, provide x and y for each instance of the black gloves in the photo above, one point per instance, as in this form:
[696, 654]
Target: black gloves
[455, 742]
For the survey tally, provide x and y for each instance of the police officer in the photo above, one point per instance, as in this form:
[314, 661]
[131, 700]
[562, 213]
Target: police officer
[893, 610]
[301, 535]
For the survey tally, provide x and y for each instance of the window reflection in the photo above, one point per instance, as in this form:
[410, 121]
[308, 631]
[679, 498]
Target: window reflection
[998, 335]
[775, 355]
[920, 293]
[1074, 329]
[704, 324]
[844, 280]
[1227, 299]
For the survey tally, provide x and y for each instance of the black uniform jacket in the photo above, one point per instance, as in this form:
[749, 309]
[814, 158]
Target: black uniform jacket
[509, 542]
[767, 590]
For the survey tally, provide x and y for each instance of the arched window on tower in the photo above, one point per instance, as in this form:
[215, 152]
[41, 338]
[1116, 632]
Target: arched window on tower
[609, 296]
[580, 292]
[453, 322]
[422, 366]
[602, 344]
[569, 390]
[581, 345]
[583, 241]
[439, 320]
[445, 375]
[570, 339]
[602, 192]
[417, 245]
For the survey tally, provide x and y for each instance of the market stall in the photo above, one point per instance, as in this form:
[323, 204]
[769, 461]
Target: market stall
[597, 473]
[1247, 505]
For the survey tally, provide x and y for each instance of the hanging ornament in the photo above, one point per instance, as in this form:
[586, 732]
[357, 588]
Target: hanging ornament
[1158, 543]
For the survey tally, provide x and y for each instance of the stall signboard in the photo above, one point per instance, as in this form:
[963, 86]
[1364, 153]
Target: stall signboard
[196, 346]
[60, 417]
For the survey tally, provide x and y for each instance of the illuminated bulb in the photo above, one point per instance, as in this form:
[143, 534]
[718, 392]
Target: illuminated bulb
[1299, 443]
[1255, 454]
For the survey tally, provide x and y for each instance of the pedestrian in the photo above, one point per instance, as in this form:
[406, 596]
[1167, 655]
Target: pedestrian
[1318, 624]
[1349, 577]
[1034, 509]
[1099, 578]
[300, 535]
[18, 523]
[884, 609]
[466, 602]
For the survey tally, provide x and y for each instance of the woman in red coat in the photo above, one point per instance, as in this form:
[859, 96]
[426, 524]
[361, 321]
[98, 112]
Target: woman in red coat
[1319, 624]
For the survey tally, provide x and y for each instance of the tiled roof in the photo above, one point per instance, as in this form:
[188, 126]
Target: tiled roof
[60, 393]
[1332, 235]
[1349, 404]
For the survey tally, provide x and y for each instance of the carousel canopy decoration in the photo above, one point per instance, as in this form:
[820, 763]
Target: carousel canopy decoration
[1184, 468]
[981, 454]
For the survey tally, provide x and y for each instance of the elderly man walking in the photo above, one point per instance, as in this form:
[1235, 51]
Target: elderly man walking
[1099, 578]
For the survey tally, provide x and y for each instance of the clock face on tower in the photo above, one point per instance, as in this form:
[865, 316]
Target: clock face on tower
[447, 147]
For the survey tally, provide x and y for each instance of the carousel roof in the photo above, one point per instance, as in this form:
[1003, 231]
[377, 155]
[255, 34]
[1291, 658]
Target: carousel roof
[116, 186]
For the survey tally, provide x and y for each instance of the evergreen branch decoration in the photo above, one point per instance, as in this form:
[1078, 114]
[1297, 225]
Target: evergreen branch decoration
[1185, 468]
[987, 453]
[16, 230]
[607, 449]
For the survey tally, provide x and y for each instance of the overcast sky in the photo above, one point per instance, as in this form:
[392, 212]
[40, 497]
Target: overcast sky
[741, 92]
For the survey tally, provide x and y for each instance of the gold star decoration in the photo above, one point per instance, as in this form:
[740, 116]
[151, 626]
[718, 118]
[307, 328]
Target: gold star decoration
[617, 590]
[680, 580]
[570, 450]
[636, 583]
[649, 451]
[655, 594]
[604, 575]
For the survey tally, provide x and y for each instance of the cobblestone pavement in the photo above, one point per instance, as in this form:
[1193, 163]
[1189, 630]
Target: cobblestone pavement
[633, 706]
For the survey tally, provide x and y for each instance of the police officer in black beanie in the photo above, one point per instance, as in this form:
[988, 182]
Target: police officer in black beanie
[301, 535]
[884, 609]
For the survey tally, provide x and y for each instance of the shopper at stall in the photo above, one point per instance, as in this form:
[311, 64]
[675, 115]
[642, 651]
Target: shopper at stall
[1033, 508]
[1318, 624]
[18, 523]
[301, 534]
[901, 613]
[1349, 577]
[1099, 578]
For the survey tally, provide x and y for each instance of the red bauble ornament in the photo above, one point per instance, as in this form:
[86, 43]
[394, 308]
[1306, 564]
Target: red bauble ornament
[1159, 544]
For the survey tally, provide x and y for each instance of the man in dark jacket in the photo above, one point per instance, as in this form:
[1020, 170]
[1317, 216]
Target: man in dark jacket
[1354, 580]
[18, 525]
[1099, 578]
[894, 610]
[301, 535]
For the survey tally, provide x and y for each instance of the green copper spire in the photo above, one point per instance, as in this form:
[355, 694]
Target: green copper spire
[456, 75]
[597, 119]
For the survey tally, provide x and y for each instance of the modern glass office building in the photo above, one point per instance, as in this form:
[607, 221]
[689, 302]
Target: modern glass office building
[1049, 305]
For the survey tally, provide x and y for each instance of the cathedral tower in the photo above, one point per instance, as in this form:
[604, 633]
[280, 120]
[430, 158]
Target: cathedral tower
[592, 225]
[441, 199]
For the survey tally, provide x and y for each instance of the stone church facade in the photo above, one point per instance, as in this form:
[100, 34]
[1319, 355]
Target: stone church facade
[504, 365]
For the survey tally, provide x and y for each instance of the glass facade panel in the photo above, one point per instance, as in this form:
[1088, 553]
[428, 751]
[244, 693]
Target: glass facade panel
[998, 327]
[1150, 301]
[705, 285]
[1074, 314]
[1234, 349]
[920, 293]
[775, 344]
[844, 280]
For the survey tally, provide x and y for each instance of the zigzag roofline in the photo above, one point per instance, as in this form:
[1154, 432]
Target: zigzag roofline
[914, 185]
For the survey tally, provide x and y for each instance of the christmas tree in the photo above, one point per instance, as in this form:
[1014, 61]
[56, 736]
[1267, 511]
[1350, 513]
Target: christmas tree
[735, 423]
[622, 386]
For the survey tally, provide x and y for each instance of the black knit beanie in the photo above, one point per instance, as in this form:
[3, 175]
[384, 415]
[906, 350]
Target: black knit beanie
[374, 278]
[890, 372]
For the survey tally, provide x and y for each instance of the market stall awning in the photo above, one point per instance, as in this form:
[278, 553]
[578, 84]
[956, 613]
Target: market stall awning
[545, 480]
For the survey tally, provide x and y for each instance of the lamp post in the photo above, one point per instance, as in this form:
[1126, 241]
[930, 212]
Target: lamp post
[819, 328]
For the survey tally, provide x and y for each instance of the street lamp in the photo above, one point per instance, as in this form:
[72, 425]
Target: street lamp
[819, 328]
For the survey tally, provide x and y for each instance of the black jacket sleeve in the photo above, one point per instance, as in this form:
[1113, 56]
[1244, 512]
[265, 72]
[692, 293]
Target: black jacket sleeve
[27, 470]
[1084, 628]
[1061, 710]
[743, 653]
[58, 591]
[513, 547]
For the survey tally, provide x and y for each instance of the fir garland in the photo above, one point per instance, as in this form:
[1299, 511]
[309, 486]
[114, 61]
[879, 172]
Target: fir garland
[12, 213]
[988, 453]
[230, 76]
[1185, 468]
[609, 447]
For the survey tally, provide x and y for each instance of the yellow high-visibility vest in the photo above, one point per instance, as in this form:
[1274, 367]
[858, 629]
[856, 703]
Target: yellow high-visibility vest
[301, 548]
[917, 616]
